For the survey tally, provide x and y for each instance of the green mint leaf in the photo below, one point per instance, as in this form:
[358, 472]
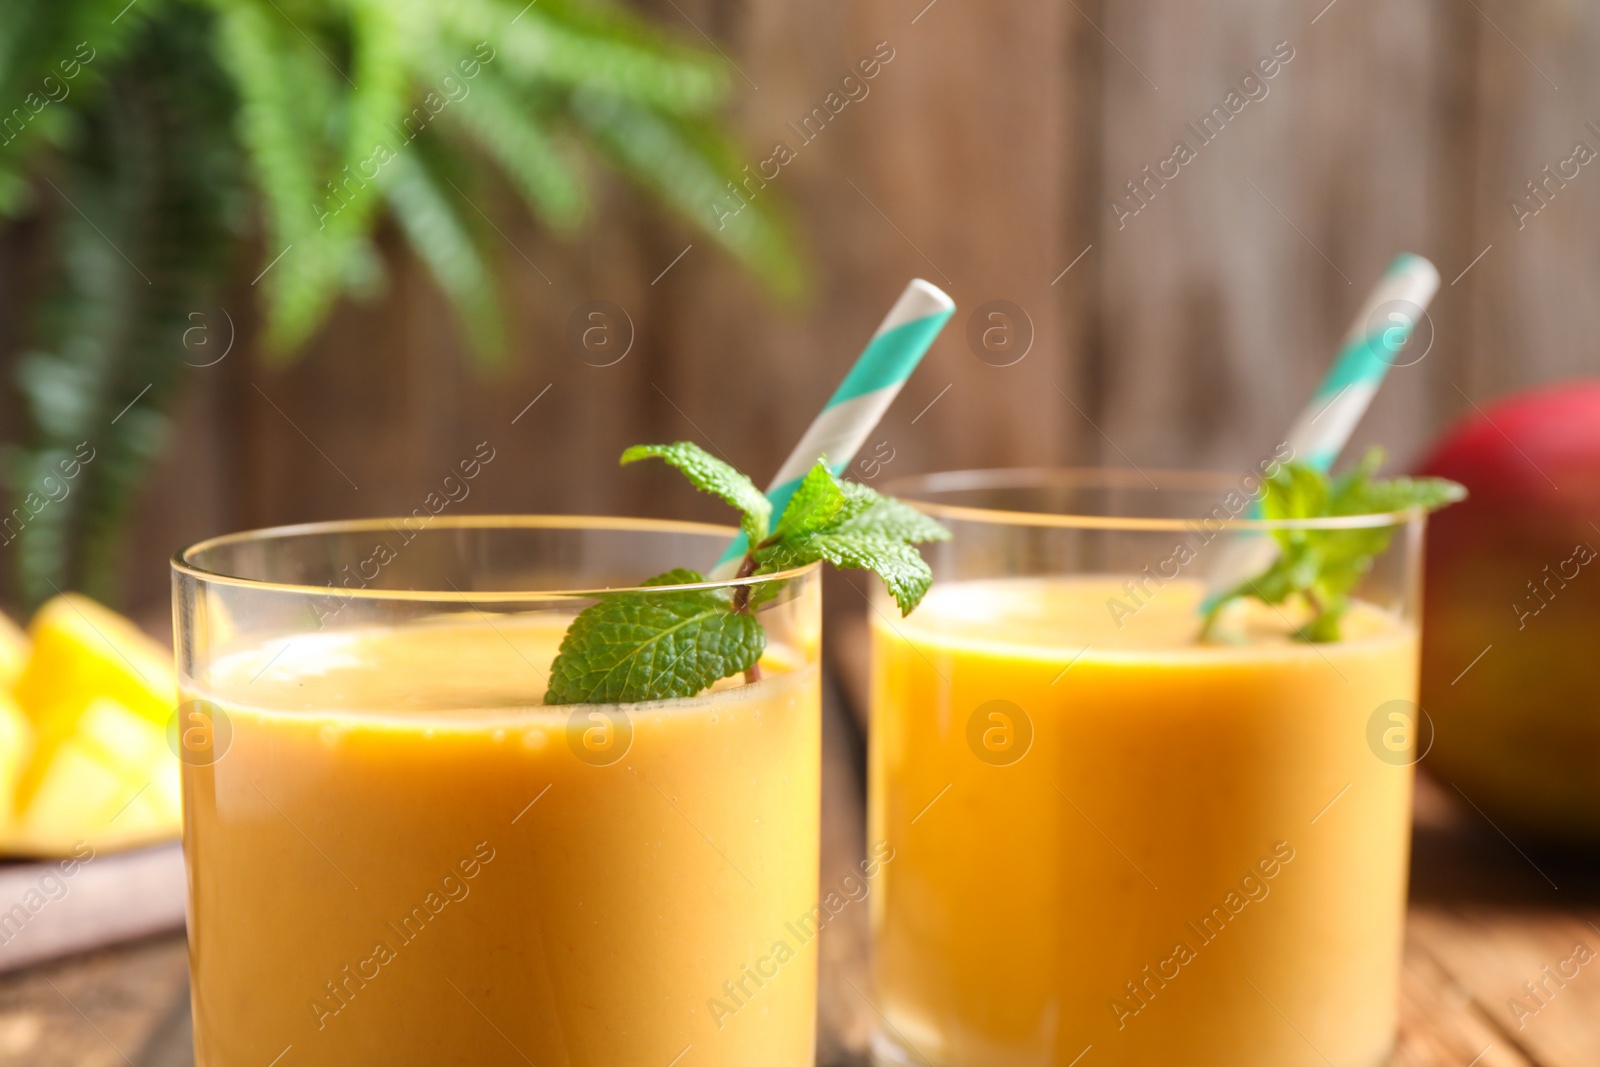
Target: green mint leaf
[857, 499]
[1324, 566]
[642, 645]
[1295, 491]
[1401, 494]
[868, 510]
[1325, 626]
[816, 505]
[634, 646]
[853, 526]
[904, 572]
[1291, 572]
[711, 475]
[1340, 489]
[1355, 493]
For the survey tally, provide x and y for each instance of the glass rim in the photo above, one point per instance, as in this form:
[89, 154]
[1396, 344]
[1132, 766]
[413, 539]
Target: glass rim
[921, 489]
[183, 561]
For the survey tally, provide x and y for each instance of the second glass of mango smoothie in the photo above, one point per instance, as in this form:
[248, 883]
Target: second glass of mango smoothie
[1116, 844]
[399, 854]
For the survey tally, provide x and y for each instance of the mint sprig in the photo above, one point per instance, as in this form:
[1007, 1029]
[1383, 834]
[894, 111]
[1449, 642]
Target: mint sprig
[638, 645]
[1321, 567]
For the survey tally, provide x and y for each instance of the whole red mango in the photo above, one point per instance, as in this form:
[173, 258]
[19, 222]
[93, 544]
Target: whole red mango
[1511, 631]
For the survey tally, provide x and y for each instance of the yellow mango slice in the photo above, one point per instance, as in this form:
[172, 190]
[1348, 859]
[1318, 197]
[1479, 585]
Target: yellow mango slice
[112, 783]
[82, 650]
[16, 746]
[98, 694]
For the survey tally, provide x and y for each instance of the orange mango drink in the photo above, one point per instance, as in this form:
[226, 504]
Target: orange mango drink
[386, 878]
[398, 854]
[1113, 843]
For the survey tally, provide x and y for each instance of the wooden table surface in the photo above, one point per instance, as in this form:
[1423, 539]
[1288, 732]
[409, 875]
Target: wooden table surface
[1487, 915]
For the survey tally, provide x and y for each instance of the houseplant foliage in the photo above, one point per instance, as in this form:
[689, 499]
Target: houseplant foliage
[162, 138]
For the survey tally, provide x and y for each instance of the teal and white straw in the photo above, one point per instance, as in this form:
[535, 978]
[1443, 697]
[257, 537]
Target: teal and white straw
[1381, 329]
[838, 433]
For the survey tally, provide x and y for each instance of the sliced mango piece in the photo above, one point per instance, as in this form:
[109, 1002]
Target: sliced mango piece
[16, 746]
[81, 651]
[96, 694]
[112, 783]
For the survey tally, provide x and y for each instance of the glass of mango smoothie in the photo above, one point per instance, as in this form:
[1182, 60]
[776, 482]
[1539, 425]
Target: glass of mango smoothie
[1116, 844]
[398, 854]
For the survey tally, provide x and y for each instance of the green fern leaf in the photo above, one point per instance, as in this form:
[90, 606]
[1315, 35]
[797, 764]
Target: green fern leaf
[510, 134]
[445, 245]
[688, 169]
[632, 63]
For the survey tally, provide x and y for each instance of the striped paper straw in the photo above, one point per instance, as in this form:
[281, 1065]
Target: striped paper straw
[841, 429]
[1381, 329]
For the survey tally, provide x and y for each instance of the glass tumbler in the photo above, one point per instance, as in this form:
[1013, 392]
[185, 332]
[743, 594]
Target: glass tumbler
[1116, 843]
[399, 854]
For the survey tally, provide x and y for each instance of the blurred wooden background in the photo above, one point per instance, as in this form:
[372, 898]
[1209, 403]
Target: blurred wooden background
[985, 157]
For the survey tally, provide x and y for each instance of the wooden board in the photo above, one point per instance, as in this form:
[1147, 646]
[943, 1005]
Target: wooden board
[55, 908]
